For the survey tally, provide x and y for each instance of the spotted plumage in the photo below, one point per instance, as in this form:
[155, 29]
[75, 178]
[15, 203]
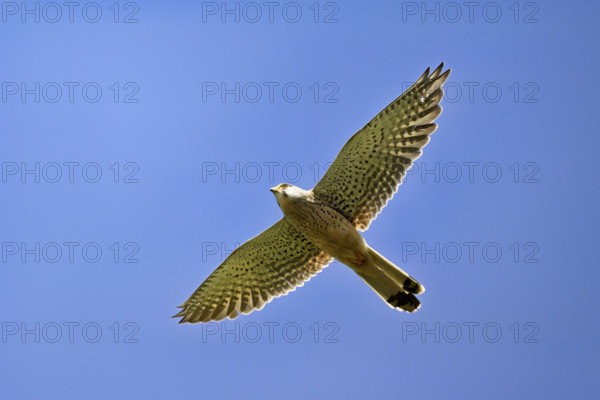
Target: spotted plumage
[372, 164]
[266, 266]
[323, 223]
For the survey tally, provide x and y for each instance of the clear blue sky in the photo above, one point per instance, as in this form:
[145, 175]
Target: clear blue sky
[135, 154]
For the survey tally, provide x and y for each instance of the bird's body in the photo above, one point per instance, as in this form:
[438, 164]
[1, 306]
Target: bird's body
[324, 223]
[326, 228]
[331, 232]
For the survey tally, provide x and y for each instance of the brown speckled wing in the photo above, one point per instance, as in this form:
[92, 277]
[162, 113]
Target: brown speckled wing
[266, 266]
[368, 170]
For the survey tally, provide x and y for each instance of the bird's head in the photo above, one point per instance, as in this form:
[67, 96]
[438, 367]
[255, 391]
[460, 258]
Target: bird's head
[280, 190]
[285, 192]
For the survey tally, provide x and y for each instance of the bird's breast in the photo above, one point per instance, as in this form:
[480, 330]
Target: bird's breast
[323, 225]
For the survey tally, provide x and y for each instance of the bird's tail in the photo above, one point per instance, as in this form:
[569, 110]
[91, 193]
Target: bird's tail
[392, 284]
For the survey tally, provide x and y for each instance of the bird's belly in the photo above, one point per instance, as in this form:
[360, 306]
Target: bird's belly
[327, 229]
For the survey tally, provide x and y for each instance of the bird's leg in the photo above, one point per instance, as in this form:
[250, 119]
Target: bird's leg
[360, 258]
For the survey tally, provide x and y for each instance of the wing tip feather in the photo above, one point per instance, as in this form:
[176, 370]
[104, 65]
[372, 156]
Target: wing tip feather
[436, 72]
[442, 78]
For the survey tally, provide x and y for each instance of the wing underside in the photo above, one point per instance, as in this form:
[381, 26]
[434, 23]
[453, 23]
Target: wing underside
[267, 266]
[368, 170]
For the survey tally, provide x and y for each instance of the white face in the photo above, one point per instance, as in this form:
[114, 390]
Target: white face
[285, 191]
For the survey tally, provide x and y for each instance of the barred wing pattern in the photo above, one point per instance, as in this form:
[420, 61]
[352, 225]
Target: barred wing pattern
[368, 170]
[266, 266]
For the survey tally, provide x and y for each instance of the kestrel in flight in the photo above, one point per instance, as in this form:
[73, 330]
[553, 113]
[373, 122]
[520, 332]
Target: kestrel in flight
[324, 223]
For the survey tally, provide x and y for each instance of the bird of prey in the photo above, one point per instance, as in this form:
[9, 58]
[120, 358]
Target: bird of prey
[323, 223]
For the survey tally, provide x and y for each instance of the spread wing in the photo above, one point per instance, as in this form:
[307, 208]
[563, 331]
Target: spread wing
[266, 266]
[368, 170]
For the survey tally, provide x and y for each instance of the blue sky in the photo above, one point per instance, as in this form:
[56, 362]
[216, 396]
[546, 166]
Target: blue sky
[137, 146]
